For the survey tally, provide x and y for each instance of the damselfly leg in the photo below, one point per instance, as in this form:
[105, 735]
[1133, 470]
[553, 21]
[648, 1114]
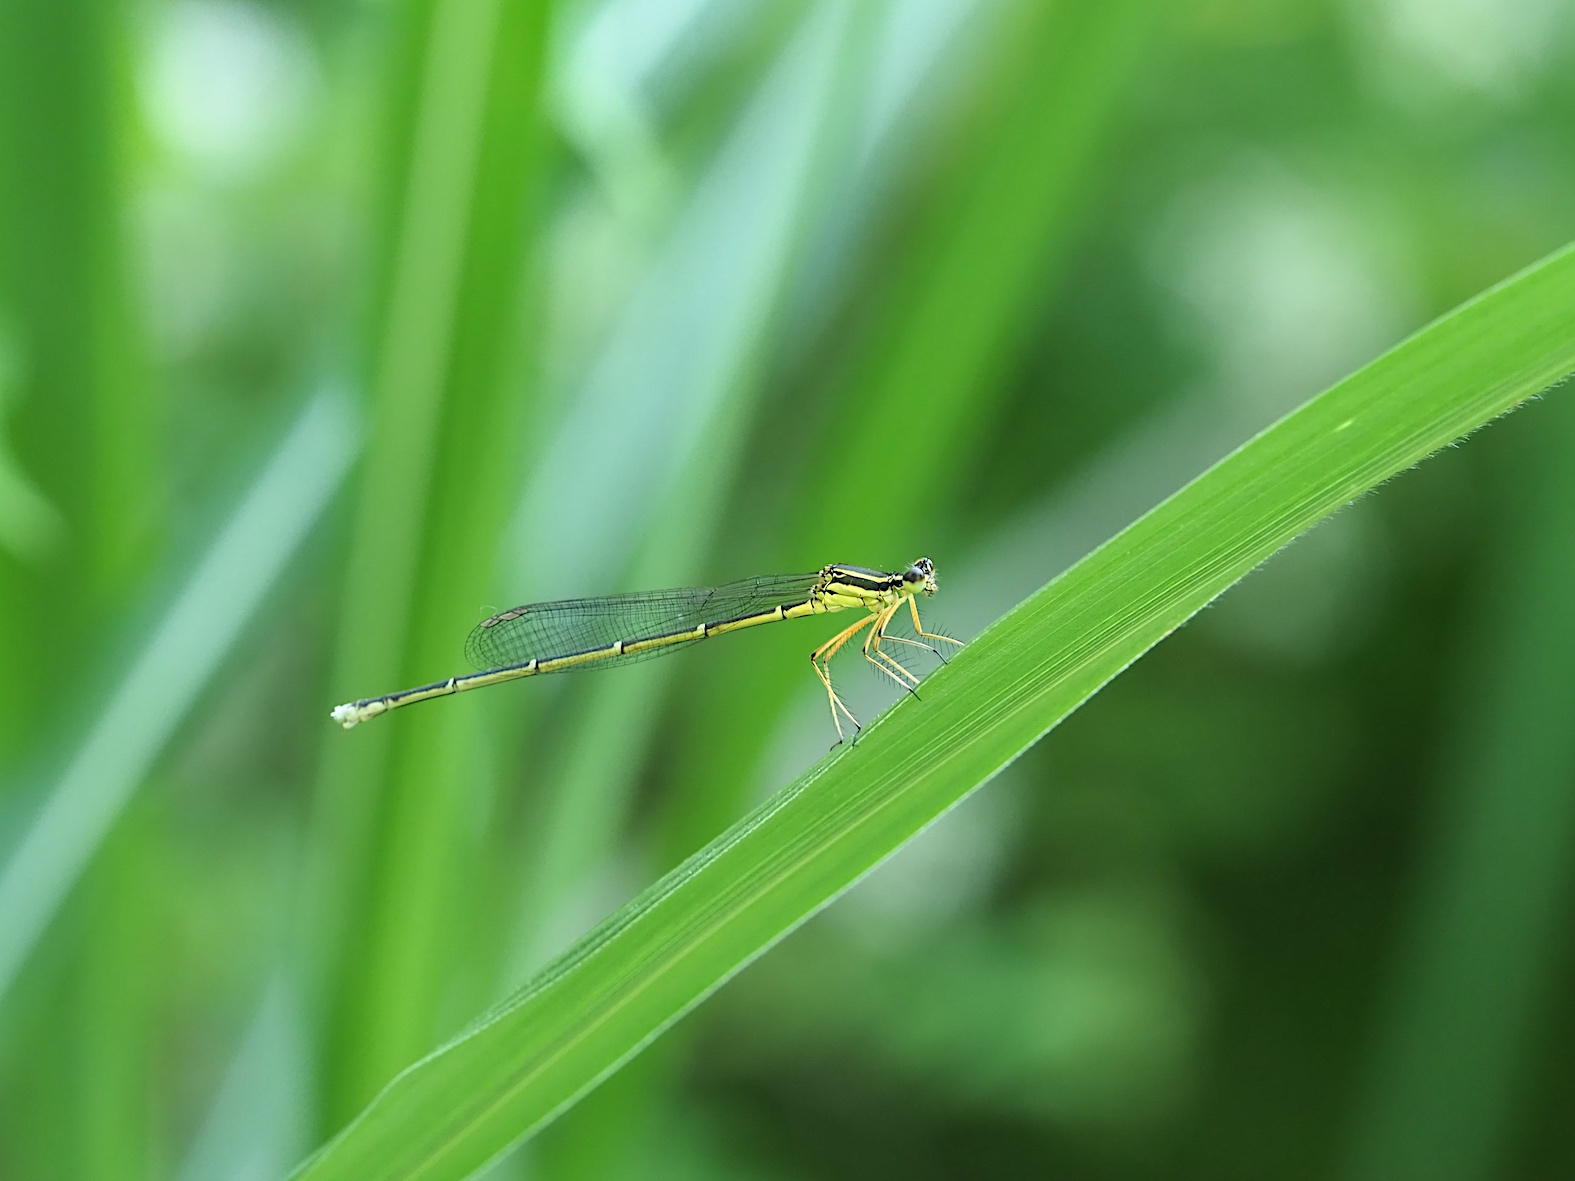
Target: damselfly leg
[884, 662]
[820, 661]
[919, 630]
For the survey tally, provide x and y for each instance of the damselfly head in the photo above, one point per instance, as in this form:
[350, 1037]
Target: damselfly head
[921, 573]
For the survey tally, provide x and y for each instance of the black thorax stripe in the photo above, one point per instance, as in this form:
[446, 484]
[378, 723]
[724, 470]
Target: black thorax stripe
[867, 580]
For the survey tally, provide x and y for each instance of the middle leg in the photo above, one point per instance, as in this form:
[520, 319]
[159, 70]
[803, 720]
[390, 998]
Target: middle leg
[884, 661]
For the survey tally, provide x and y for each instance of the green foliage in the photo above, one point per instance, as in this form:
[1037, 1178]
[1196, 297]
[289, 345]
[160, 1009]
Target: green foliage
[647, 965]
[444, 441]
[328, 328]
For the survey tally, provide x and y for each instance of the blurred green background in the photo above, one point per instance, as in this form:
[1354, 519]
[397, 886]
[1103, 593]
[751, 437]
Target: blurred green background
[327, 328]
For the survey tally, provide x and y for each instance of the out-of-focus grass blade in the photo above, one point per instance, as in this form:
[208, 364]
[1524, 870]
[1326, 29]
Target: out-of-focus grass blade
[81, 413]
[1493, 897]
[691, 360]
[926, 382]
[393, 832]
[169, 673]
[84, 508]
[260, 1116]
[626, 982]
[652, 442]
[933, 370]
[640, 421]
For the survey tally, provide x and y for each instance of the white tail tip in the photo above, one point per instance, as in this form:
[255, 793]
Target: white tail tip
[353, 713]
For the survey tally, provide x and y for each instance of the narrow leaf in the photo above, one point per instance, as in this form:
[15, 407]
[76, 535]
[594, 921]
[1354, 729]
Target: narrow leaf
[609, 996]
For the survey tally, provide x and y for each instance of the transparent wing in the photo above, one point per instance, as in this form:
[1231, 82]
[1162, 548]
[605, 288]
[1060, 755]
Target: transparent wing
[544, 631]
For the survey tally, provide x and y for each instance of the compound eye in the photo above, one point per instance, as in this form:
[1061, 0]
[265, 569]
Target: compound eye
[913, 574]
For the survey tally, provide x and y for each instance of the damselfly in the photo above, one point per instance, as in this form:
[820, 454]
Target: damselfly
[621, 629]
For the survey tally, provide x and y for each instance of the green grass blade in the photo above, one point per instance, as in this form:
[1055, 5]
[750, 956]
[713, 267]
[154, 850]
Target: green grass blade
[760, 186]
[949, 320]
[1021, 103]
[526, 1061]
[169, 672]
[80, 415]
[393, 846]
[959, 304]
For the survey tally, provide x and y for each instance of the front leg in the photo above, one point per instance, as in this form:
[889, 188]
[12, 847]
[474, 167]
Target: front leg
[919, 628]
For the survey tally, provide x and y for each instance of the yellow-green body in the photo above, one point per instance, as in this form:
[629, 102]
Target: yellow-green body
[836, 588]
